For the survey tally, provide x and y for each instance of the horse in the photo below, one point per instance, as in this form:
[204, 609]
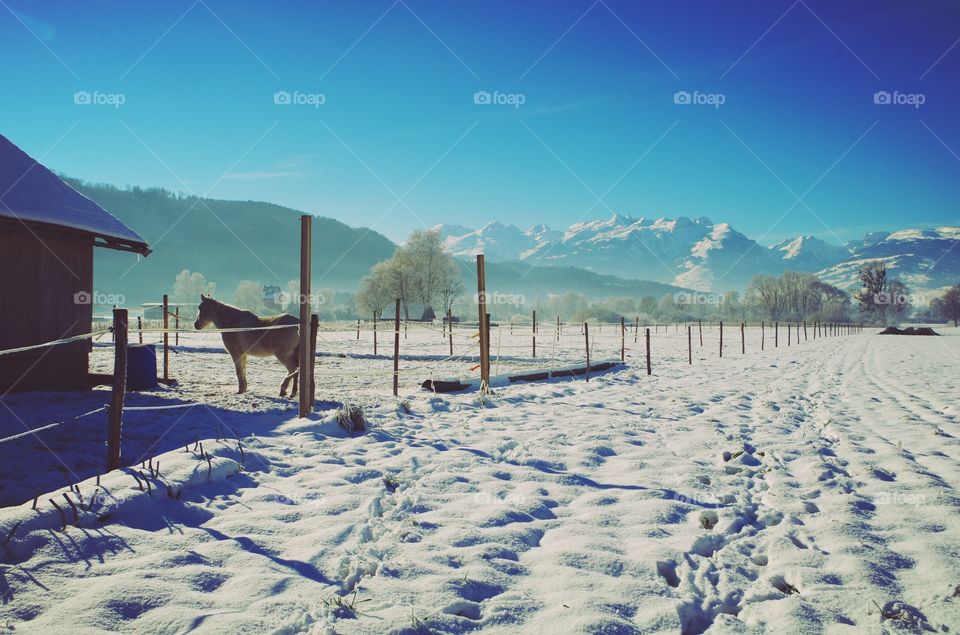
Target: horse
[284, 344]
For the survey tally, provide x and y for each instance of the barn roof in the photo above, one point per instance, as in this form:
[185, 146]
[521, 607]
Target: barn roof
[31, 193]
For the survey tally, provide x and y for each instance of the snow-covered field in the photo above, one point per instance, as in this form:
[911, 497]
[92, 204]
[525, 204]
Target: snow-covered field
[809, 488]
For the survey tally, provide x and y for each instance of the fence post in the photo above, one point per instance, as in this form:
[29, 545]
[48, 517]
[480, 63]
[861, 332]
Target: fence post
[788, 334]
[314, 328]
[721, 338]
[482, 323]
[374, 333]
[763, 336]
[776, 334]
[558, 328]
[648, 350]
[623, 339]
[534, 323]
[176, 325]
[586, 342]
[140, 328]
[804, 330]
[166, 340]
[396, 349]
[700, 329]
[450, 331]
[358, 329]
[743, 343]
[115, 411]
[306, 268]
[689, 345]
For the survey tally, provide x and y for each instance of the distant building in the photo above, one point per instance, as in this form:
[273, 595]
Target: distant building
[47, 234]
[273, 298]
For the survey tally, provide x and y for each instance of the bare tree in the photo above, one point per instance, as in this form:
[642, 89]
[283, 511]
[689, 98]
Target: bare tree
[948, 306]
[768, 294]
[873, 277]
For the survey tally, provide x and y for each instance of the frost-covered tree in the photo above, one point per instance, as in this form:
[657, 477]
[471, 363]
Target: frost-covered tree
[249, 296]
[189, 286]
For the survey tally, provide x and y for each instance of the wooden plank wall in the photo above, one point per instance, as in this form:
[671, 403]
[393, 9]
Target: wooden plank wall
[40, 274]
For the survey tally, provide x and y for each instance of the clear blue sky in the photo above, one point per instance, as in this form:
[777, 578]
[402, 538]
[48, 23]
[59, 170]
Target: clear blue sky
[597, 79]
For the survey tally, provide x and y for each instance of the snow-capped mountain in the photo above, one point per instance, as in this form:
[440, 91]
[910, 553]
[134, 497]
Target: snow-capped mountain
[700, 254]
[921, 258]
[809, 253]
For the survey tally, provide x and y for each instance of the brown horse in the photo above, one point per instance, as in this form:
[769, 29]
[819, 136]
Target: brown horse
[284, 344]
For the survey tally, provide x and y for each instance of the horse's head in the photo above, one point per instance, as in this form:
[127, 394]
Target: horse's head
[205, 315]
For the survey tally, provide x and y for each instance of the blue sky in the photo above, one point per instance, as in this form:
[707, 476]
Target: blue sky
[797, 146]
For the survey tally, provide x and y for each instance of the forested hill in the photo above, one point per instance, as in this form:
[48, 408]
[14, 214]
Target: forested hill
[226, 241]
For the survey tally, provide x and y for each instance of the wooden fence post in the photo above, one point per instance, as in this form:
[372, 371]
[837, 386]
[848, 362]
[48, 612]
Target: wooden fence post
[314, 327]
[358, 329]
[450, 332]
[166, 340]
[788, 334]
[776, 334]
[586, 342]
[176, 325]
[763, 336]
[306, 269]
[700, 329]
[482, 323]
[534, 327]
[636, 328]
[648, 350]
[140, 328]
[689, 345]
[115, 411]
[721, 338]
[623, 341]
[804, 330]
[396, 350]
[558, 328]
[743, 342]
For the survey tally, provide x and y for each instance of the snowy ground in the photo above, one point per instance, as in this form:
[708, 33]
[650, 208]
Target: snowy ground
[790, 490]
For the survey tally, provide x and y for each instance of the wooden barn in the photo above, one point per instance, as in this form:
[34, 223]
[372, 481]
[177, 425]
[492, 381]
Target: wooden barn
[47, 234]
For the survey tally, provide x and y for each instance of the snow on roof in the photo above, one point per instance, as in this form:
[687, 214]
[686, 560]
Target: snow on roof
[32, 193]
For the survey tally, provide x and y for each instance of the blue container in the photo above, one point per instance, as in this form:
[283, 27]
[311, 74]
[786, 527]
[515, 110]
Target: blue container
[141, 367]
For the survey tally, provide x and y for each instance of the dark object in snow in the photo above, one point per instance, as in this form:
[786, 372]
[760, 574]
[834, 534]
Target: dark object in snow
[923, 330]
[444, 386]
[141, 367]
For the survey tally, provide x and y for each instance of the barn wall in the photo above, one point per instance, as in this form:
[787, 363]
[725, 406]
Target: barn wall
[40, 274]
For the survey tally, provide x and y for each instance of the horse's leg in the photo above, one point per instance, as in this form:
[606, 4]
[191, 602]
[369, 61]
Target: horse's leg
[286, 380]
[240, 361]
[295, 361]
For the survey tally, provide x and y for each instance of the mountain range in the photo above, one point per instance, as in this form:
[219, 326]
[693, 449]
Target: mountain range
[699, 254]
[232, 241]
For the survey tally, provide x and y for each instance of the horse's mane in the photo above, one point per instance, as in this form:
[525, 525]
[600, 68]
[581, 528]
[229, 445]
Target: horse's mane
[231, 308]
